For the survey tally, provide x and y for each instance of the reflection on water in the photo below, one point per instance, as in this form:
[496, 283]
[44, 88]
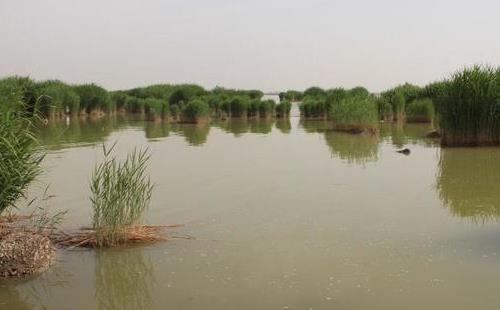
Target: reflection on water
[10, 298]
[195, 134]
[123, 279]
[238, 127]
[354, 149]
[57, 133]
[469, 182]
[401, 134]
[156, 130]
[357, 149]
[463, 173]
[314, 126]
[286, 215]
[32, 292]
[284, 125]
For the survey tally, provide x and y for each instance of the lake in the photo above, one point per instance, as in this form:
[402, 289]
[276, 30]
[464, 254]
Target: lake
[283, 214]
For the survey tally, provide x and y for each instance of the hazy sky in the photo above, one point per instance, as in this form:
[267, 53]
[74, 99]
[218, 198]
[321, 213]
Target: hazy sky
[264, 44]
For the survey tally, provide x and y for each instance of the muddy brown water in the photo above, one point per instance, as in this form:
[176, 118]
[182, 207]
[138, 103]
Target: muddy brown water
[285, 215]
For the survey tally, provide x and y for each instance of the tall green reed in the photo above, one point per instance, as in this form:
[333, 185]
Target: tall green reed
[120, 193]
[469, 107]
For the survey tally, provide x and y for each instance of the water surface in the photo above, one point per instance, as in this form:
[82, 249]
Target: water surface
[285, 214]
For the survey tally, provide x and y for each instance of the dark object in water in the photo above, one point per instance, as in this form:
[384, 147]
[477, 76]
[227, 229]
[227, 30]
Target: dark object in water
[404, 151]
[433, 135]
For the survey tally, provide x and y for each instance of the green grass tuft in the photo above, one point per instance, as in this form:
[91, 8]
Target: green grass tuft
[120, 193]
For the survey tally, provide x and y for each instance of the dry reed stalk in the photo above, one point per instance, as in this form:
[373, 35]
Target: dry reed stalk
[133, 234]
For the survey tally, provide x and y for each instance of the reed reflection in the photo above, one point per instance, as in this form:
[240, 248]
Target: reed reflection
[123, 279]
[468, 182]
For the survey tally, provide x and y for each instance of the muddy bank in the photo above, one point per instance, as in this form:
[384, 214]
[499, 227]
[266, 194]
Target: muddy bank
[25, 253]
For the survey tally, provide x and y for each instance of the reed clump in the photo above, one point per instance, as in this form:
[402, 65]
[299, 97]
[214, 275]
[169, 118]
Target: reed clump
[469, 107]
[283, 109]
[238, 106]
[291, 95]
[266, 108]
[354, 114]
[420, 111]
[120, 194]
[253, 108]
[56, 99]
[19, 157]
[94, 99]
[156, 109]
[196, 111]
[314, 108]
[392, 103]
